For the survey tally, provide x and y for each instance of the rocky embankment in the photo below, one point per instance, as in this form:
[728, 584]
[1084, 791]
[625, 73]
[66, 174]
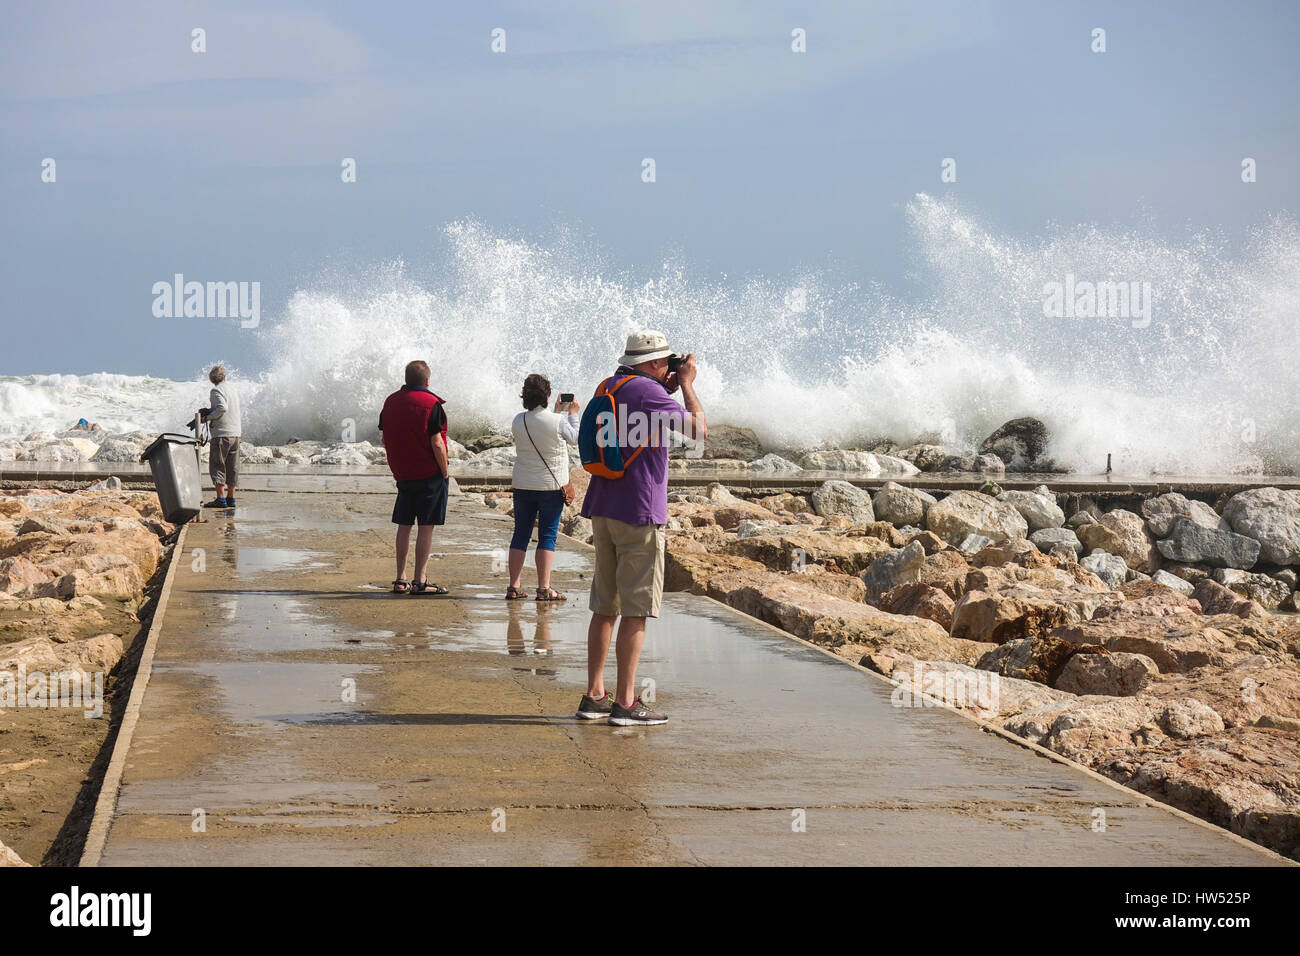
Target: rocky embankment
[1018, 445]
[73, 570]
[1143, 645]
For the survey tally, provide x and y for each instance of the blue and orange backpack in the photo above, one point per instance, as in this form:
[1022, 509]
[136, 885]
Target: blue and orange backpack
[602, 461]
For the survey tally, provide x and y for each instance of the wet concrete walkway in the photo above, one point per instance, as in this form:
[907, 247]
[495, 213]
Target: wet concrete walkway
[459, 744]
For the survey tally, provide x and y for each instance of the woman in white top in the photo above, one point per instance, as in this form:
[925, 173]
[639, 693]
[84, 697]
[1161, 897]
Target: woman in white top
[540, 482]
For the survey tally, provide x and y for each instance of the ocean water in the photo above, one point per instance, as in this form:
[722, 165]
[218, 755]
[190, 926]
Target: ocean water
[1205, 384]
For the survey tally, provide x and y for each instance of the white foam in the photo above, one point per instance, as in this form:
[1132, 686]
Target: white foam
[1206, 388]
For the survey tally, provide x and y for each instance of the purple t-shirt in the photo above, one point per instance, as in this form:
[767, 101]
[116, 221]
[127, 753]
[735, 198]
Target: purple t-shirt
[641, 495]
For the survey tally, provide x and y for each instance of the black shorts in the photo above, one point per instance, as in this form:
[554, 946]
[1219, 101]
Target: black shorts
[422, 502]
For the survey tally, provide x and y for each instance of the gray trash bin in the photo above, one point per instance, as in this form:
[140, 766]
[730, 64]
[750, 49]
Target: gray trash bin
[174, 461]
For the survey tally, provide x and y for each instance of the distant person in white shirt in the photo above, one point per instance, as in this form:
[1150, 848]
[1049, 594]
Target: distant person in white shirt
[225, 425]
[540, 481]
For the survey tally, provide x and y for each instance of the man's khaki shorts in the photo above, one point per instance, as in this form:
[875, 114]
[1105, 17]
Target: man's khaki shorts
[629, 578]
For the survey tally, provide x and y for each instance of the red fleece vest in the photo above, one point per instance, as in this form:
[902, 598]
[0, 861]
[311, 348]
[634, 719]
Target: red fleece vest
[406, 434]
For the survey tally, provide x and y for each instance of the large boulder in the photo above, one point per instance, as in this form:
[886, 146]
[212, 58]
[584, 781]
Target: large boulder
[1109, 567]
[21, 578]
[1081, 726]
[1173, 581]
[924, 456]
[1083, 592]
[1214, 598]
[1038, 508]
[729, 510]
[1019, 551]
[785, 501]
[901, 506]
[792, 604]
[1124, 534]
[868, 464]
[484, 442]
[1267, 591]
[1161, 511]
[1177, 644]
[986, 695]
[770, 463]
[996, 618]
[1245, 780]
[1271, 517]
[1041, 658]
[1112, 675]
[945, 570]
[964, 513]
[793, 549]
[691, 569]
[844, 500]
[1048, 538]
[40, 654]
[890, 570]
[1191, 543]
[1252, 688]
[1020, 443]
[919, 600]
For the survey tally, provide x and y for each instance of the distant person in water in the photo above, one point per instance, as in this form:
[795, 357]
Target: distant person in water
[225, 425]
[85, 426]
[540, 481]
[414, 427]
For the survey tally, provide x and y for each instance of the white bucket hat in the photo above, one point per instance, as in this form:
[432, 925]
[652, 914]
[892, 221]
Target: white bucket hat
[645, 347]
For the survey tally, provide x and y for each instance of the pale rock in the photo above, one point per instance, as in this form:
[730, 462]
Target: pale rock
[890, 570]
[1173, 581]
[964, 513]
[1271, 517]
[1039, 511]
[1124, 534]
[1161, 511]
[841, 499]
[1190, 543]
[901, 506]
[1109, 567]
[1047, 539]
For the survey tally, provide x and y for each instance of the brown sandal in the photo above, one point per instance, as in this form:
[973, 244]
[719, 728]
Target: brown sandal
[514, 594]
[550, 594]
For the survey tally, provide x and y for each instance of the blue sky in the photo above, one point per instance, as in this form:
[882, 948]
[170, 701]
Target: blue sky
[225, 165]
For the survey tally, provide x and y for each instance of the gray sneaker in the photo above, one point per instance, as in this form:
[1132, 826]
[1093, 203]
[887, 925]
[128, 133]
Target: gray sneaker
[635, 715]
[589, 709]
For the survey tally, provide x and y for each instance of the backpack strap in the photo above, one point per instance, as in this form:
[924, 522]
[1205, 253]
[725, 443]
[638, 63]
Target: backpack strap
[605, 390]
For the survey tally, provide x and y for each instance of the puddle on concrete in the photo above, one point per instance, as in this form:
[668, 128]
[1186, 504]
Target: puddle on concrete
[295, 692]
[272, 621]
[249, 561]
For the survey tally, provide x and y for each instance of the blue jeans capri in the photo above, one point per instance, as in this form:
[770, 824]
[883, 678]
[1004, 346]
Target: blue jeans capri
[540, 508]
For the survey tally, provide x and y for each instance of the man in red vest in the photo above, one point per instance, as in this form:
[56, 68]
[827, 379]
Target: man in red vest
[415, 436]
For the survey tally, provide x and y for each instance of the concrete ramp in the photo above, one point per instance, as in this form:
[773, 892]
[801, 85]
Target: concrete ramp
[298, 714]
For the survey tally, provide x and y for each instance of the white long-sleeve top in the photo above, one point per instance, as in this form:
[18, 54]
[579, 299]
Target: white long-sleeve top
[552, 434]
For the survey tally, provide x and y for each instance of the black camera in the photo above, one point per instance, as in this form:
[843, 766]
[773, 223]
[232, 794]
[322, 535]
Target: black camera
[566, 397]
[674, 363]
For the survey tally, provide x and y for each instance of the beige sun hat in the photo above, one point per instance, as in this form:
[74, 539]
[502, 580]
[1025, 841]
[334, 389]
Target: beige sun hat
[645, 347]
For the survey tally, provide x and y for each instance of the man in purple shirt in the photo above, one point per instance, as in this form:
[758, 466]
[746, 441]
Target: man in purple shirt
[628, 515]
